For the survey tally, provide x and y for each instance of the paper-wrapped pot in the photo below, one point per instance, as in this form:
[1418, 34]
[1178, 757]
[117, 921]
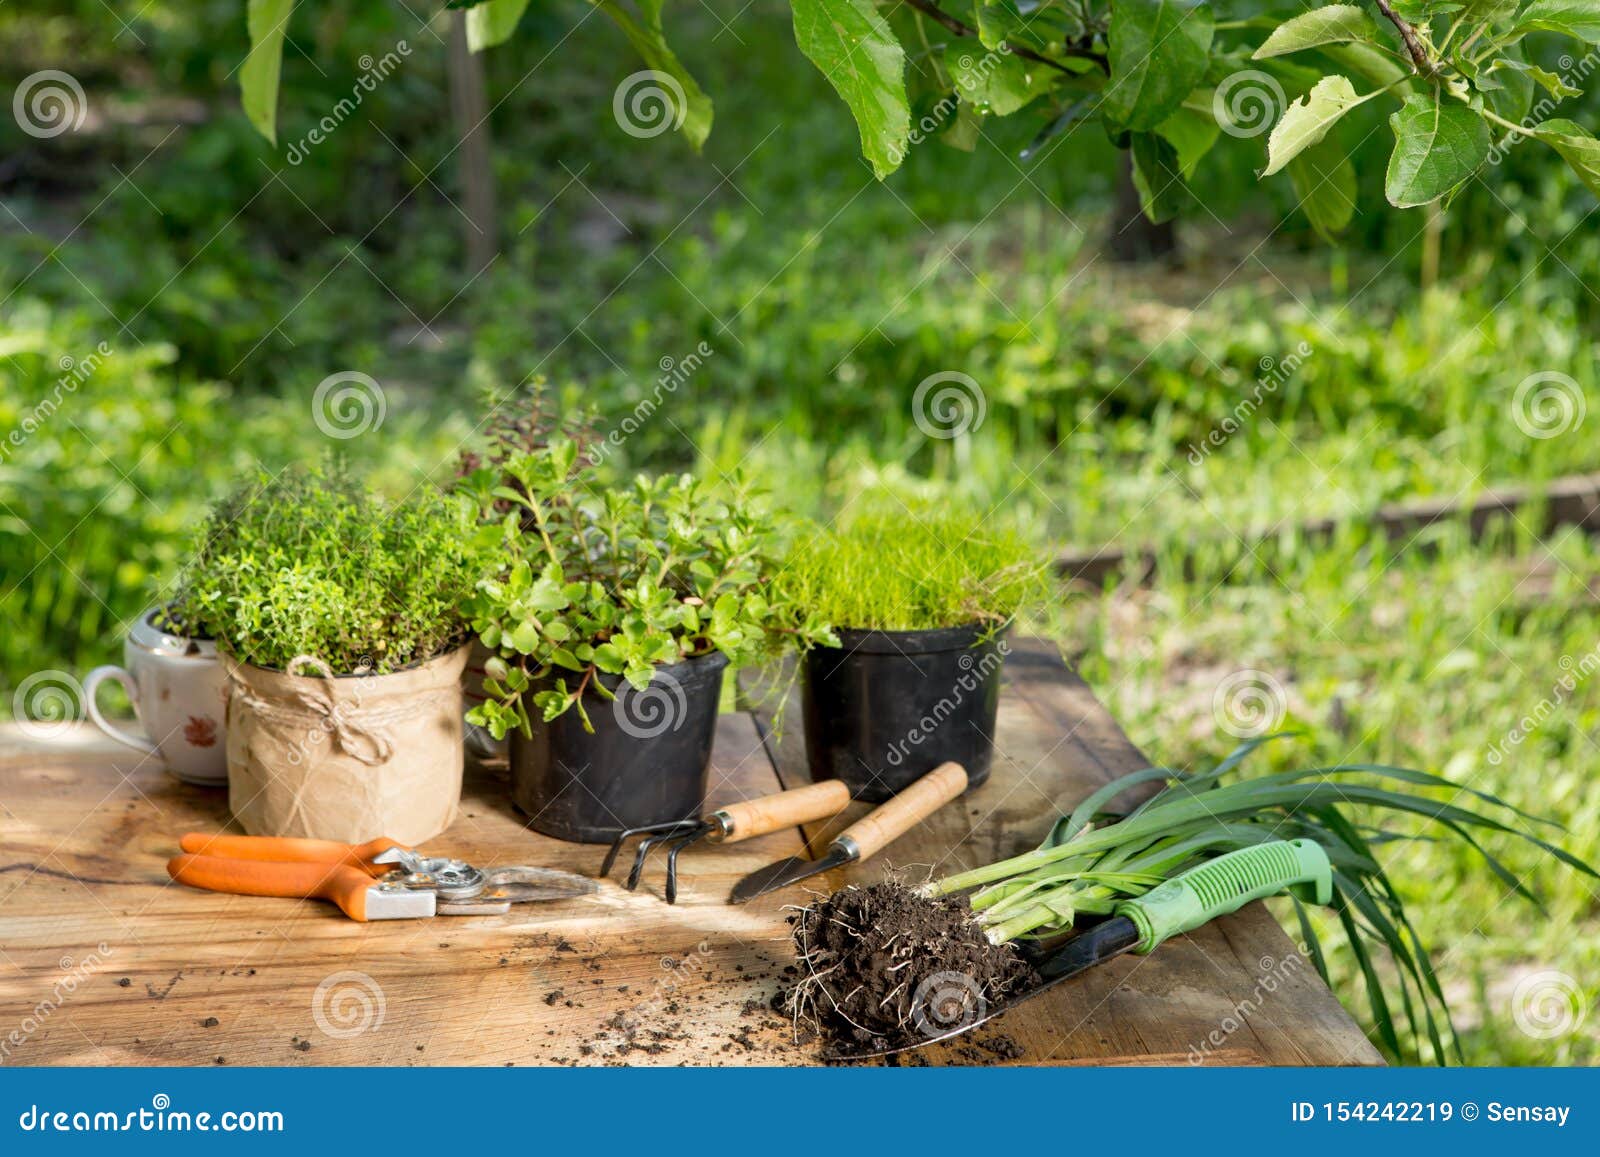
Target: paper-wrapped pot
[350, 758]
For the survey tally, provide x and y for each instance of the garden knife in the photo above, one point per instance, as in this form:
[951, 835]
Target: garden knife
[864, 838]
[1181, 904]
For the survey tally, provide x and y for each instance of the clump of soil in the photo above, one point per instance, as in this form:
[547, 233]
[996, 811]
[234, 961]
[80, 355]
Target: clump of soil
[883, 967]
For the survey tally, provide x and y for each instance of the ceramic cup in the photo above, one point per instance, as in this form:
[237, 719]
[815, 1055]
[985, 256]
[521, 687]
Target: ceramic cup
[176, 686]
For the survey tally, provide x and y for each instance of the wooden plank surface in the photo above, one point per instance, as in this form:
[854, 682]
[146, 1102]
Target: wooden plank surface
[616, 977]
[104, 961]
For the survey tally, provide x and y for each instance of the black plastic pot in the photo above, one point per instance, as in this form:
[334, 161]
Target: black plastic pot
[887, 707]
[645, 762]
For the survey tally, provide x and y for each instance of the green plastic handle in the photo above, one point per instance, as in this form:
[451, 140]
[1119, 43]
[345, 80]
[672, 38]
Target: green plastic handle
[1227, 884]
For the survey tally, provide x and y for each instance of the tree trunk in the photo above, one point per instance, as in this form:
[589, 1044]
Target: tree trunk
[469, 112]
[1134, 237]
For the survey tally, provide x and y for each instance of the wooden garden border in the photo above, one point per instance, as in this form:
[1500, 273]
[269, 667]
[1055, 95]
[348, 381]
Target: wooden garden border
[1570, 501]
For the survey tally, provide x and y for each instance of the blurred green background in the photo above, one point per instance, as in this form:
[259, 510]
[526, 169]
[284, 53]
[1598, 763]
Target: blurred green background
[228, 282]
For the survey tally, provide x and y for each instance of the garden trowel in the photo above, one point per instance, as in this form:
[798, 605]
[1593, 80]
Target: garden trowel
[864, 838]
[1181, 904]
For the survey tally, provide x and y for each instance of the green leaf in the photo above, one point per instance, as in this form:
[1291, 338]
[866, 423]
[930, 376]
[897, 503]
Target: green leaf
[997, 83]
[1551, 82]
[1191, 133]
[999, 22]
[1437, 146]
[268, 22]
[1307, 120]
[1509, 94]
[1325, 182]
[493, 22]
[1335, 24]
[860, 57]
[1159, 50]
[1579, 19]
[1156, 176]
[964, 130]
[1366, 61]
[1576, 146]
[692, 107]
[609, 658]
[525, 637]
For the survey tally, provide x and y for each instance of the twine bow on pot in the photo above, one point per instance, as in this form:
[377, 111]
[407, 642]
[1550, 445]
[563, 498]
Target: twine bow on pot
[362, 735]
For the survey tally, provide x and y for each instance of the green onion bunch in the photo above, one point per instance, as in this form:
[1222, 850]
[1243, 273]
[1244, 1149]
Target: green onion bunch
[1089, 863]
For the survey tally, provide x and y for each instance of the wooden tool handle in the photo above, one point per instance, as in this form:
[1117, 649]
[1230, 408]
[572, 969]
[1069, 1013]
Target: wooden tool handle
[889, 821]
[344, 885]
[287, 849]
[798, 805]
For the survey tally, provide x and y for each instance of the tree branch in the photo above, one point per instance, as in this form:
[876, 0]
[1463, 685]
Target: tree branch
[1414, 46]
[931, 10]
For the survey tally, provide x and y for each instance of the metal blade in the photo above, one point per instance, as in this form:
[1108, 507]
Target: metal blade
[786, 872]
[519, 884]
[496, 900]
[1090, 947]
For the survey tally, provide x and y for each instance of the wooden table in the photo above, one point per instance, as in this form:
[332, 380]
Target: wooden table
[103, 961]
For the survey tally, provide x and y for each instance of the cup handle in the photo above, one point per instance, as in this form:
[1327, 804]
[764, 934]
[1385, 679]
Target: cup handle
[91, 686]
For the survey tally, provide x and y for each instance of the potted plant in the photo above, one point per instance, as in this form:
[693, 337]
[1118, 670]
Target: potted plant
[520, 424]
[339, 615]
[614, 615]
[175, 682]
[921, 601]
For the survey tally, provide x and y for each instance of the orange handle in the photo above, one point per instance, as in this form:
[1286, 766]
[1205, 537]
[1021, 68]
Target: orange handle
[287, 849]
[344, 885]
[889, 821]
[757, 817]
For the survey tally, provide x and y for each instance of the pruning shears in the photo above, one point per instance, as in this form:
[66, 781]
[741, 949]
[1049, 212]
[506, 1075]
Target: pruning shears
[377, 880]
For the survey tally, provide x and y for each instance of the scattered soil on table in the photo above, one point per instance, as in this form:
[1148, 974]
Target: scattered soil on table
[161, 994]
[883, 967]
